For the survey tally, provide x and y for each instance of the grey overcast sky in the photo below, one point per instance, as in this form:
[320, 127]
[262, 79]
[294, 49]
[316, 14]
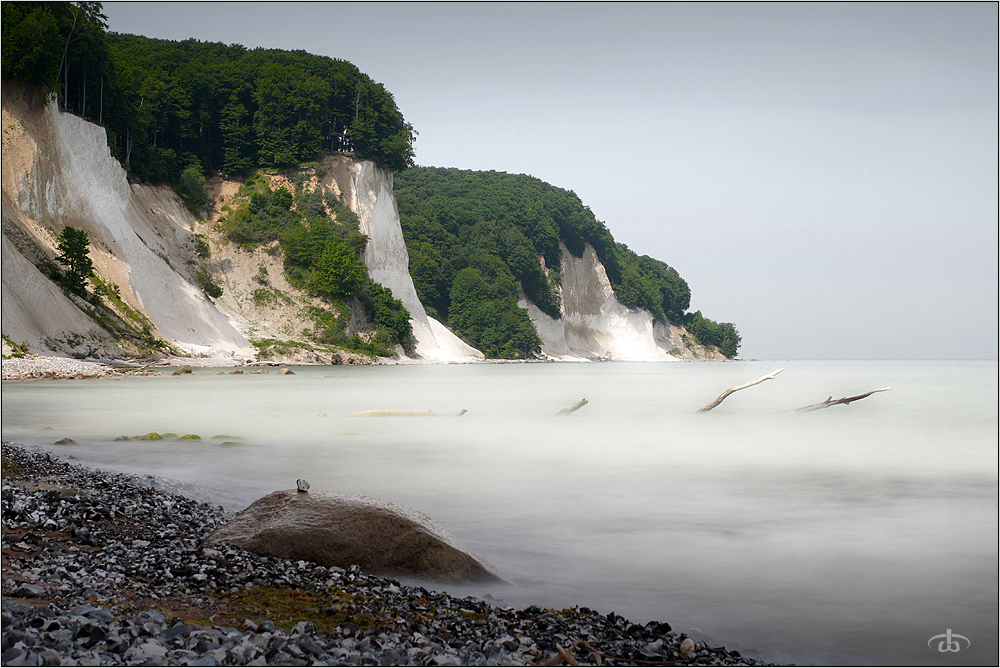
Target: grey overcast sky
[823, 175]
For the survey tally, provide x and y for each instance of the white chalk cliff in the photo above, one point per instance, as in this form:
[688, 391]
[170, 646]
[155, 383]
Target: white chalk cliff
[59, 172]
[596, 326]
[368, 190]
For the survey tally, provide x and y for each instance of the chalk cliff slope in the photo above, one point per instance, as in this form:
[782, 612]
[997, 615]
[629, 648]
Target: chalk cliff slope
[595, 325]
[368, 191]
[58, 172]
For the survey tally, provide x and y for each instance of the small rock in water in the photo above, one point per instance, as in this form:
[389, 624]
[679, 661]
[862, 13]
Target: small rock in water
[66, 441]
[285, 372]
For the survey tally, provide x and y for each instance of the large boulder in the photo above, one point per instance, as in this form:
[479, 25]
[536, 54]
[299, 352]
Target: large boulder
[332, 529]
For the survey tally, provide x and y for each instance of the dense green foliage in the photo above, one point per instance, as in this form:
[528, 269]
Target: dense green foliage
[508, 227]
[169, 105]
[448, 215]
[207, 283]
[320, 243]
[60, 46]
[74, 255]
[484, 312]
[191, 189]
[708, 332]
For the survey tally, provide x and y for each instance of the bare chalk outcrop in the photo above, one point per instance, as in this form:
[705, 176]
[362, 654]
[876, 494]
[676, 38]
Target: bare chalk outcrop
[596, 326]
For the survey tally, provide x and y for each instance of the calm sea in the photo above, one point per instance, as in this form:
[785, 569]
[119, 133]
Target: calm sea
[851, 535]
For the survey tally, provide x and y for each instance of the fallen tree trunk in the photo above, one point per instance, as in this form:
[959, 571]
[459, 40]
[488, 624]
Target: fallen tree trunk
[725, 394]
[575, 406]
[382, 413]
[844, 400]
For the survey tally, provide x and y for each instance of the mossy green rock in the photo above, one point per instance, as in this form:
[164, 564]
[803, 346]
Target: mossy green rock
[151, 436]
[190, 437]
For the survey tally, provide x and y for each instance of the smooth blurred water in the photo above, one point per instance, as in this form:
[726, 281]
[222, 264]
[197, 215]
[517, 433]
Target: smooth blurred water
[850, 535]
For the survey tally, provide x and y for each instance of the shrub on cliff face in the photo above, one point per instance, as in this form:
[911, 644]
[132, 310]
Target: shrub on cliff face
[337, 272]
[74, 255]
[207, 283]
[191, 189]
[388, 311]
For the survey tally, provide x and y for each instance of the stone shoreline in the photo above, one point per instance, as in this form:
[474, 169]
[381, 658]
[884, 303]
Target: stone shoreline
[37, 367]
[103, 569]
[48, 368]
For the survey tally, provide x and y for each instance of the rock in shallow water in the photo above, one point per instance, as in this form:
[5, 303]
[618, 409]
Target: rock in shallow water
[335, 529]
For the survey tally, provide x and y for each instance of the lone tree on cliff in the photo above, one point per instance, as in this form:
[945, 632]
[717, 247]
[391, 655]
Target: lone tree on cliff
[74, 255]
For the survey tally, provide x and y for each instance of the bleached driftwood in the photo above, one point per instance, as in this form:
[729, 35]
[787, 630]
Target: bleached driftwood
[844, 400]
[575, 406]
[561, 656]
[744, 386]
[381, 413]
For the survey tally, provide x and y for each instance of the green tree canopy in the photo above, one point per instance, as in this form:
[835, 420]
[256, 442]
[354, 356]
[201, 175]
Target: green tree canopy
[74, 255]
[168, 104]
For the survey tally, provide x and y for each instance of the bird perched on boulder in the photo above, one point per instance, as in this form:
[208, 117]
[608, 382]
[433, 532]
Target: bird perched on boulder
[303, 485]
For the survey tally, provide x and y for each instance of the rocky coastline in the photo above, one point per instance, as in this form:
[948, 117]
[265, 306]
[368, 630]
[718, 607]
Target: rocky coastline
[52, 368]
[104, 569]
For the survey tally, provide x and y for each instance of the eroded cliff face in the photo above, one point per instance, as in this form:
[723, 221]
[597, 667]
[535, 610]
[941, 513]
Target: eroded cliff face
[367, 189]
[258, 299]
[596, 326]
[58, 173]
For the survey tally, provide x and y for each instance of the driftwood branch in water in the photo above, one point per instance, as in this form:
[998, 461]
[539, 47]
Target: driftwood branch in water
[844, 400]
[575, 406]
[382, 413]
[739, 387]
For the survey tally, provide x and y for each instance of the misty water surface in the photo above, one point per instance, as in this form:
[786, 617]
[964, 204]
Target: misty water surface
[850, 535]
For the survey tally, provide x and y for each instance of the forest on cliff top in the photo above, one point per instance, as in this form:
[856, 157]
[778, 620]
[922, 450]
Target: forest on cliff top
[170, 105]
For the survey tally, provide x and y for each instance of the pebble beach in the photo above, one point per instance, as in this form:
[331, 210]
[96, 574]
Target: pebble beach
[53, 368]
[38, 368]
[104, 569]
